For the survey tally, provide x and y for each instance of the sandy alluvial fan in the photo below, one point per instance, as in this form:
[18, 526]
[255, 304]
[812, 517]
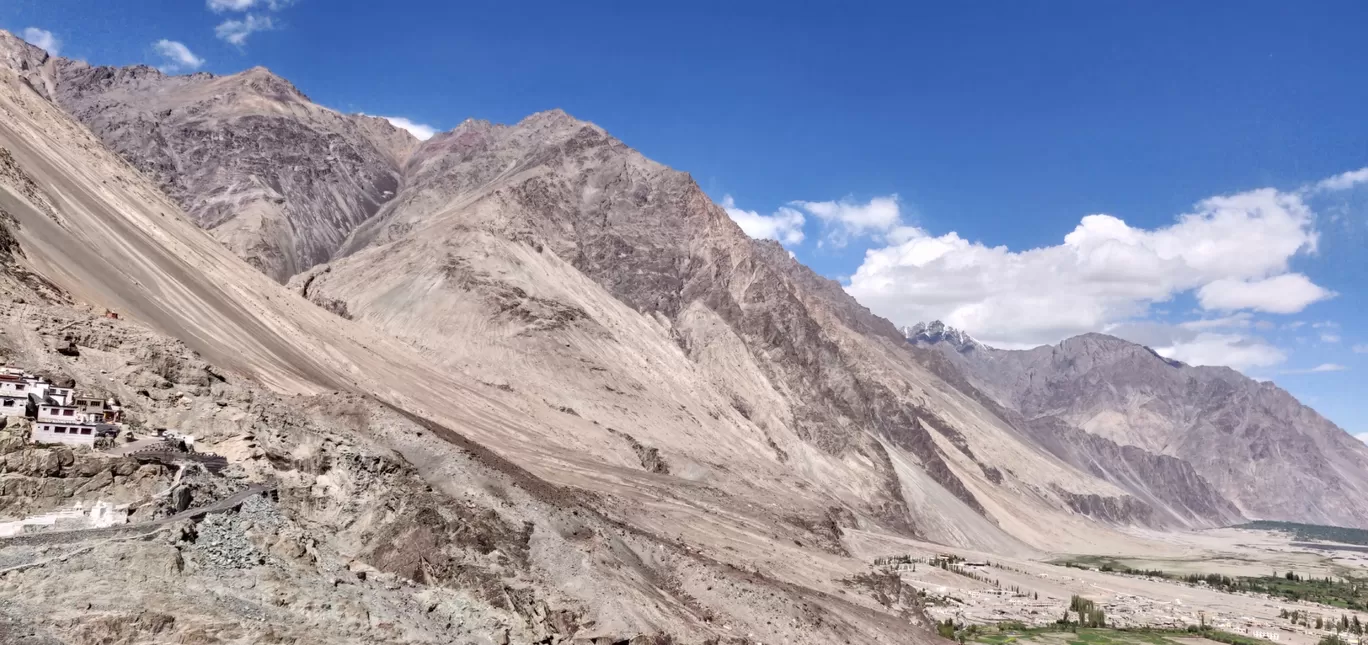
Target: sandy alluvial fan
[518, 383]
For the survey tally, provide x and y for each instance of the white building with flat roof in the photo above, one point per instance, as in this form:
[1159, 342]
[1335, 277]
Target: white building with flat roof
[71, 434]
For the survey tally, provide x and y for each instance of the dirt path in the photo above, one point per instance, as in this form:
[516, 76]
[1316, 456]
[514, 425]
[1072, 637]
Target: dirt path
[138, 529]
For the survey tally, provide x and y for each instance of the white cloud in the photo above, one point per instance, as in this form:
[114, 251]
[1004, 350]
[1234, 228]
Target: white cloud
[1282, 294]
[1362, 436]
[1231, 350]
[1240, 320]
[176, 57]
[221, 6]
[1361, 349]
[879, 216]
[1329, 337]
[785, 225]
[419, 130]
[1342, 181]
[236, 31]
[1104, 271]
[1323, 367]
[44, 40]
[1218, 341]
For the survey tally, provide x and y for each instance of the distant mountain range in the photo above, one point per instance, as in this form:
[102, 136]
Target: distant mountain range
[1254, 448]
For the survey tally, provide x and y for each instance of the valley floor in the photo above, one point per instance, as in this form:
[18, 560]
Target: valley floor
[990, 590]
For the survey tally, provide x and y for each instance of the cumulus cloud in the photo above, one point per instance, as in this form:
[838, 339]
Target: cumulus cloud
[1342, 181]
[1283, 294]
[176, 57]
[44, 40]
[236, 31]
[1361, 349]
[421, 131]
[1330, 337]
[784, 225]
[1229, 249]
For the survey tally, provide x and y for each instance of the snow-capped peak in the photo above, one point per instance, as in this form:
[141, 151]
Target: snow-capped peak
[939, 332]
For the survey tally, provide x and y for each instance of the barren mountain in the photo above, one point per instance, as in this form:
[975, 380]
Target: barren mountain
[1121, 409]
[600, 409]
[536, 255]
[276, 178]
[409, 530]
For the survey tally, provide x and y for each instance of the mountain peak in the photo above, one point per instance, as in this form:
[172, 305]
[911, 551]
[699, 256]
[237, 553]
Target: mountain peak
[266, 83]
[938, 332]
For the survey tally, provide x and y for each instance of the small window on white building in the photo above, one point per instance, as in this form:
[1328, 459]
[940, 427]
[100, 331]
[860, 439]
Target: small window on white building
[9, 403]
[59, 430]
[85, 430]
[67, 413]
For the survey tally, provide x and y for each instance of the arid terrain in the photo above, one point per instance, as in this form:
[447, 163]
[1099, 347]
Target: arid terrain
[514, 384]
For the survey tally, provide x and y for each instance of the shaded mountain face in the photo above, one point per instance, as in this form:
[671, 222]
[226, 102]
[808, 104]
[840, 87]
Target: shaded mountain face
[1109, 402]
[276, 178]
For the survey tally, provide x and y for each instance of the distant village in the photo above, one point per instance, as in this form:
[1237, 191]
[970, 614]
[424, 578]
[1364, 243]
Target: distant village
[59, 414]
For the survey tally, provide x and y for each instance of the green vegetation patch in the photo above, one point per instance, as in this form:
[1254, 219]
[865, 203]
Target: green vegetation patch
[1344, 592]
[1311, 531]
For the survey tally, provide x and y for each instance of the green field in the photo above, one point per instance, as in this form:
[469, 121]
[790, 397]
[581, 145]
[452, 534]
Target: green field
[1085, 636]
[1096, 636]
[1344, 592]
[1312, 531]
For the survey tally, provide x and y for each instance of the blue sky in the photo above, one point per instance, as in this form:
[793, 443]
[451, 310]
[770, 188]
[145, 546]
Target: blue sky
[940, 160]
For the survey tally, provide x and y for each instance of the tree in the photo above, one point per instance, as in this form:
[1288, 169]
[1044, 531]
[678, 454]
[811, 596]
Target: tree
[1319, 623]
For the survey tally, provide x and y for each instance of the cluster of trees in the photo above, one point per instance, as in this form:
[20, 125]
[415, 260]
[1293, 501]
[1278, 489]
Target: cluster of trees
[1312, 531]
[1089, 615]
[951, 564]
[1346, 623]
[1348, 593]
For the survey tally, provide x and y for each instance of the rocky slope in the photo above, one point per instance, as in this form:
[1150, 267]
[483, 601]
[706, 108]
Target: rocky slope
[393, 524]
[569, 265]
[1206, 434]
[541, 308]
[276, 178]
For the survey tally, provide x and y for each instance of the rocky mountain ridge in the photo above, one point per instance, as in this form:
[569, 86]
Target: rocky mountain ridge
[277, 178]
[1252, 443]
[392, 524]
